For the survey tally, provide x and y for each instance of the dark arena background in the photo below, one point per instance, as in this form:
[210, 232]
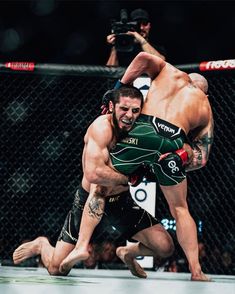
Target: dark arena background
[52, 78]
[44, 112]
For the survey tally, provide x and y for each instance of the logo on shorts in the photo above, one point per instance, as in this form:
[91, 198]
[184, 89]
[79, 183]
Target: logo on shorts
[133, 141]
[166, 130]
[172, 166]
[114, 199]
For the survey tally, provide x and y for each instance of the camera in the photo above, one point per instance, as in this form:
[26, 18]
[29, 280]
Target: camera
[124, 42]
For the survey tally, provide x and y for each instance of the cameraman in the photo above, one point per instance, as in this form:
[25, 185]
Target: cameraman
[141, 41]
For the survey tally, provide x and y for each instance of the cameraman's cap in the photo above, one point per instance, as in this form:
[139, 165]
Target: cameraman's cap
[139, 14]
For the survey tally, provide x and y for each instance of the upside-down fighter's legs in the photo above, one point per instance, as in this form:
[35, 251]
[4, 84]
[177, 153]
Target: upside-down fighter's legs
[185, 227]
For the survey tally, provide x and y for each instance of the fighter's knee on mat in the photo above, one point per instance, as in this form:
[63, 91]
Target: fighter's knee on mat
[168, 247]
[164, 243]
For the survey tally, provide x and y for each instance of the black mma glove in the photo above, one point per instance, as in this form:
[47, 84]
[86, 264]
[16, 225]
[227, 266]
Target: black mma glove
[118, 85]
[137, 176]
[173, 163]
[150, 175]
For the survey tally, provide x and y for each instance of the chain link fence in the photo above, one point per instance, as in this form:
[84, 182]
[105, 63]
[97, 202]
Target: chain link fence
[44, 115]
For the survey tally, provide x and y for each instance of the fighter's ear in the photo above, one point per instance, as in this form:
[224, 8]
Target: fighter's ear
[111, 106]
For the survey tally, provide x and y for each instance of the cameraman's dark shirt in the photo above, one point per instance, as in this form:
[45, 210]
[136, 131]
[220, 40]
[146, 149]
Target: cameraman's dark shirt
[125, 58]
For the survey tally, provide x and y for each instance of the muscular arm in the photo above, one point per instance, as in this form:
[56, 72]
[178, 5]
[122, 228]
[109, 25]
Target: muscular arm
[147, 47]
[143, 63]
[96, 156]
[96, 202]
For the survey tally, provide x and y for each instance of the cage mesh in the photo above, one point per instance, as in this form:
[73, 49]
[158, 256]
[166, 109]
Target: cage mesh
[43, 120]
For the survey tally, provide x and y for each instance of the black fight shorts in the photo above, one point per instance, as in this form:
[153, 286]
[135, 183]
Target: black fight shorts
[123, 217]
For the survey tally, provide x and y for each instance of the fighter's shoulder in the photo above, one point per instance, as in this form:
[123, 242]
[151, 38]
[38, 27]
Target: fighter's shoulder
[195, 91]
[101, 124]
[203, 96]
[175, 73]
[204, 106]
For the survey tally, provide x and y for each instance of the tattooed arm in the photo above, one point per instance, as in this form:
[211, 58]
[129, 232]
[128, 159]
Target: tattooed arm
[92, 214]
[96, 202]
[201, 146]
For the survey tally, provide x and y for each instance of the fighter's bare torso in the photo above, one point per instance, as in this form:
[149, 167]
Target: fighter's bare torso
[174, 98]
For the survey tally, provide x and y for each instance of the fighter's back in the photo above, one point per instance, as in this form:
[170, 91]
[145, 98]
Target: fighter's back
[174, 98]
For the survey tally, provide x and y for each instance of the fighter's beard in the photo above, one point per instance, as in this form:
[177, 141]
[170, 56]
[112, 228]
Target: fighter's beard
[119, 133]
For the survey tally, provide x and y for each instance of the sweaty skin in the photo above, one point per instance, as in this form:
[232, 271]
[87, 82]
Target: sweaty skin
[125, 116]
[152, 239]
[179, 99]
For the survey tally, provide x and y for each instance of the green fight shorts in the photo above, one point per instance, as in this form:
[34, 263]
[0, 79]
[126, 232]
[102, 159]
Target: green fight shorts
[149, 138]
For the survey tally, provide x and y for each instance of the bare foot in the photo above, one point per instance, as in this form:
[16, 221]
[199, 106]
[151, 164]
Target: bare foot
[131, 263]
[200, 277]
[74, 256]
[29, 249]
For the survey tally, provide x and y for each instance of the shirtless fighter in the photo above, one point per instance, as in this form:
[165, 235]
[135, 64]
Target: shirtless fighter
[129, 219]
[176, 105]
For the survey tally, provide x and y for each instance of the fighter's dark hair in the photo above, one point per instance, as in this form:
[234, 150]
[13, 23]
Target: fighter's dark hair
[126, 91]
